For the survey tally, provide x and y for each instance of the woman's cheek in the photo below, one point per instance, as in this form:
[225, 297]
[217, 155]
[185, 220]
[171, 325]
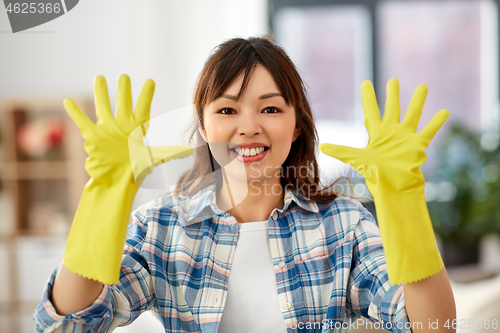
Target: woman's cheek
[214, 132]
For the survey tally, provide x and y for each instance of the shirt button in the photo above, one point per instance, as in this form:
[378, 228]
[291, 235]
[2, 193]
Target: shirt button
[281, 264]
[275, 216]
[288, 305]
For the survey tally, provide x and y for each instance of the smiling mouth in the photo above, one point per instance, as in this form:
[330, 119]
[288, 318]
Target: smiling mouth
[246, 152]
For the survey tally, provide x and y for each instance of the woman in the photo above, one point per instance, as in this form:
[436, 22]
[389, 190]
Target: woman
[250, 241]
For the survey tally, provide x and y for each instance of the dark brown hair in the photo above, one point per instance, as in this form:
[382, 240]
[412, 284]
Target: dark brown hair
[228, 62]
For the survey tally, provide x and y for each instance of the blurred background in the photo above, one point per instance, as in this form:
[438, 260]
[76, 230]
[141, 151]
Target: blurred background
[452, 46]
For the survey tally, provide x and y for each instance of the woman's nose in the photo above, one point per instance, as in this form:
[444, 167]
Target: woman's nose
[249, 124]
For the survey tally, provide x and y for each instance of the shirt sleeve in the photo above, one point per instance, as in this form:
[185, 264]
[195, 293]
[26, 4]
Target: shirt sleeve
[369, 293]
[117, 305]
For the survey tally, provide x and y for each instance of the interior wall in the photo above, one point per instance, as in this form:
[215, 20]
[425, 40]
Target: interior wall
[167, 41]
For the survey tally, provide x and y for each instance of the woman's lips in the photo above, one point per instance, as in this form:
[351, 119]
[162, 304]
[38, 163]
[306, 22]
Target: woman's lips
[249, 159]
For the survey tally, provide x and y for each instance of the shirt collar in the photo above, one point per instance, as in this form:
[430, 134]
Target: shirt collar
[300, 200]
[204, 204]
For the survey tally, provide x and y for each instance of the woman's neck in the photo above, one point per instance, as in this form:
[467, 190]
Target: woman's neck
[251, 201]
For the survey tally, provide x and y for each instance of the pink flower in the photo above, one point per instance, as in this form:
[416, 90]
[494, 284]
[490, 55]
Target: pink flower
[35, 138]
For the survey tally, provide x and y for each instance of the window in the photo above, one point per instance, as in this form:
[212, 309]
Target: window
[452, 46]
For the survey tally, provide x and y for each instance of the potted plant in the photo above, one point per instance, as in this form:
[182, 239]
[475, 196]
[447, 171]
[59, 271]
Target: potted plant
[474, 210]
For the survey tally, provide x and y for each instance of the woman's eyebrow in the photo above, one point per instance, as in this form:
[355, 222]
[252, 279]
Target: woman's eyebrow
[265, 96]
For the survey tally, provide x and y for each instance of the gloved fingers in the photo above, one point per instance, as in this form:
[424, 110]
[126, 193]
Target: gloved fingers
[144, 158]
[392, 107]
[103, 108]
[345, 154]
[427, 134]
[166, 153]
[414, 111]
[124, 102]
[145, 127]
[79, 117]
[143, 106]
[370, 105]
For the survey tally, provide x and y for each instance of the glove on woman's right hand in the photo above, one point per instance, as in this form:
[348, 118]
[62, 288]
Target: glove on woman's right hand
[95, 243]
[108, 142]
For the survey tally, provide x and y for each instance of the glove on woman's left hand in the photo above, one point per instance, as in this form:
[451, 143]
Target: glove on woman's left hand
[390, 165]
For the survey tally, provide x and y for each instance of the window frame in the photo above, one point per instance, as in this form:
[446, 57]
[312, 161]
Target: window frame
[371, 5]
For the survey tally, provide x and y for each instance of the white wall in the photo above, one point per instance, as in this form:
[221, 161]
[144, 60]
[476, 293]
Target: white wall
[167, 41]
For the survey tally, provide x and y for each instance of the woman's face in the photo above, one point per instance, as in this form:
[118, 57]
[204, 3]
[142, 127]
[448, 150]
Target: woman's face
[259, 119]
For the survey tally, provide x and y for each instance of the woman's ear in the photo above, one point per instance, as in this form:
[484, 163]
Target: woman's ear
[296, 133]
[203, 133]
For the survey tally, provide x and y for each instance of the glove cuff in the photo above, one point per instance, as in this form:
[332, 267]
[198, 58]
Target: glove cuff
[407, 235]
[95, 243]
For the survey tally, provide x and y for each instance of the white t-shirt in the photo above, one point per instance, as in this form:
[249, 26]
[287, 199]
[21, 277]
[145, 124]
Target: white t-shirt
[252, 304]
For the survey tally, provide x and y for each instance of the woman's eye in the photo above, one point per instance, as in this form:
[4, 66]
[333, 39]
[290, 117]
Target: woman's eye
[226, 111]
[271, 109]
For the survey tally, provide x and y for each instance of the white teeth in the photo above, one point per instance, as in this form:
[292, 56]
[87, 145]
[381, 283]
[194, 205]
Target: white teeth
[249, 152]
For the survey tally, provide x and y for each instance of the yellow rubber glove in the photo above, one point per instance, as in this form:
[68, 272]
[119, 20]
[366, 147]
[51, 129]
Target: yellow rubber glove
[95, 243]
[390, 165]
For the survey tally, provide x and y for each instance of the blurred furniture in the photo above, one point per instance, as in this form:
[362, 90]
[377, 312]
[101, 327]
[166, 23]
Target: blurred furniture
[41, 179]
[478, 305]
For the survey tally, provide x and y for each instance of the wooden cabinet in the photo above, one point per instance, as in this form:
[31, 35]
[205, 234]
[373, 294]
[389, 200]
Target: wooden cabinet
[42, 183]
[40, 187]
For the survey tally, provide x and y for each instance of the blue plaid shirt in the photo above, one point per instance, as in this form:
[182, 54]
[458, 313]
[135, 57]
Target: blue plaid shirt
[328, 259]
